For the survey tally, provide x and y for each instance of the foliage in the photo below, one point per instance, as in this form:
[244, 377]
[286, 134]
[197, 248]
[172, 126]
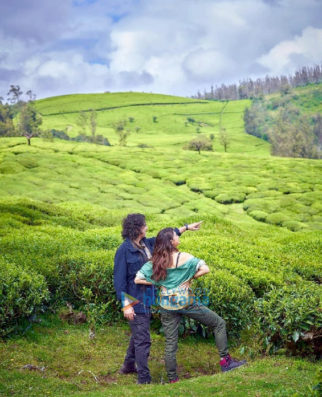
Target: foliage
[286, 123]
[7, 127]
[22, 293]
[290, 316]
[231, 300]
[122, 133]
[202, 143]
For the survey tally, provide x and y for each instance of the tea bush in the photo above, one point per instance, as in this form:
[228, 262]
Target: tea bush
[22, 293]
[291, 317]
[230, 197]
[229, 298]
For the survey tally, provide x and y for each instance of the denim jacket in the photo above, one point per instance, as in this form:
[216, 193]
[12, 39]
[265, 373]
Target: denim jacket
[128, 261]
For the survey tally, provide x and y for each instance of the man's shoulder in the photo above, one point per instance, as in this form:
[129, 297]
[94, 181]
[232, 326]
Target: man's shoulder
[122, 247]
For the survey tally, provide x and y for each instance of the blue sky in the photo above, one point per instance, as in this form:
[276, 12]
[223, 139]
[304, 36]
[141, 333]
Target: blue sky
[166, 46]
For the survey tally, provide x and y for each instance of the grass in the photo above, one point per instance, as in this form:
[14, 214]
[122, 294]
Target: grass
[77, 366]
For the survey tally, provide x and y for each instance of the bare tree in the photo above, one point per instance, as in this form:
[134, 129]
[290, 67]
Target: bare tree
[14, 94]
[93, 123]
[31, 95]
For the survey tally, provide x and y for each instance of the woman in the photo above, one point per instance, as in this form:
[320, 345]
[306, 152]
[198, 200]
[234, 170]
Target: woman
[173, 272]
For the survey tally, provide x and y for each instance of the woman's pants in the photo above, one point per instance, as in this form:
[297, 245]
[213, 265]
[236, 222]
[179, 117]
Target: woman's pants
[170, 322]
[139, 347]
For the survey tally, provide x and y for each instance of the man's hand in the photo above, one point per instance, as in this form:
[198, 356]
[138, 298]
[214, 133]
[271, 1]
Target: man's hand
[194, 226]
[129, 313]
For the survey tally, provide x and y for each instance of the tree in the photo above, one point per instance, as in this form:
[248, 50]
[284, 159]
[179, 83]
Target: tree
[29, 121]
[93, 123]
[6, 121]
[292, 138]
[224, 138]
[31, 95]
[82, 121]
[119, 128]
[199, 144]
[14, 94]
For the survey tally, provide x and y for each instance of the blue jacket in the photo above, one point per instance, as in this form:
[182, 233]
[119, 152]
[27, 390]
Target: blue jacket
[128, 261]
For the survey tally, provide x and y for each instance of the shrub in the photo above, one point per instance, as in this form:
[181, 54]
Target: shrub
[230, 298]
[230, 197]
[86, 279]
[22, 293]
[10, 167]
[291, 317]
[258, 215]
[277, 218]
[294, 226]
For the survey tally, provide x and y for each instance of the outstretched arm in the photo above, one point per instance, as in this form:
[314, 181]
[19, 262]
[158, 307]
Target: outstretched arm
[192, 227]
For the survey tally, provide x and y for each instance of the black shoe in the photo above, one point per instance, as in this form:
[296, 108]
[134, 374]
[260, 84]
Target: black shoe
[127, 370]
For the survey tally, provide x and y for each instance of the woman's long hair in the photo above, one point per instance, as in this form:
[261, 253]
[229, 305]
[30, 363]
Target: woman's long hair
[162, 253]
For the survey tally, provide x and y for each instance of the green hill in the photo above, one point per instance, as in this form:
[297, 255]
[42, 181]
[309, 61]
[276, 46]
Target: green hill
[178, 120]
[61, 207]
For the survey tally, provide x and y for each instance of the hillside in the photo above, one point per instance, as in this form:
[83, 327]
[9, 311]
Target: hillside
[61, 207]
[178, 119]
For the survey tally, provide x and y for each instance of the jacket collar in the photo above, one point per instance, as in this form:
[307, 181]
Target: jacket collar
[131, 247]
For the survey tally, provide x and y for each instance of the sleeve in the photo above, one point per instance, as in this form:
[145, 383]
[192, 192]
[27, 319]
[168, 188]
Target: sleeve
[200, 263]
[120, 273]
[177, 231]
[140, 275]
[151, 241]
[145, 273]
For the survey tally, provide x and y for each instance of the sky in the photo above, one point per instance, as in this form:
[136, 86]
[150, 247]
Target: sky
[177, 47]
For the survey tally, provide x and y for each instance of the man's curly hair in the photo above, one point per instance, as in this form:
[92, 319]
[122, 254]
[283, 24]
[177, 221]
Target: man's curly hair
[132, 226]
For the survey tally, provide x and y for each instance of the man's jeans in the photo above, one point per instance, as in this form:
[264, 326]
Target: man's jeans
[139, 347]
[170, 322]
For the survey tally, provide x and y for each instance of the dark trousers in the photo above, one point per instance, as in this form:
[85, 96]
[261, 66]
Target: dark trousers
[139, 347]
[170, 322]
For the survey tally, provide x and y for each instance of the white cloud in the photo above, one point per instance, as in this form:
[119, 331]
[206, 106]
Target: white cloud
[167, 46]
[288, 55]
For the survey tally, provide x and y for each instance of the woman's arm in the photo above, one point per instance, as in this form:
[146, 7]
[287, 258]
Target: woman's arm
[140, 278]
[203, 269]
[141, 281]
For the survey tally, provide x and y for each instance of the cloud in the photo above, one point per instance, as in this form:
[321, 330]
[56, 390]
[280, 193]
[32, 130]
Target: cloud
[288, 55]
[177, 47]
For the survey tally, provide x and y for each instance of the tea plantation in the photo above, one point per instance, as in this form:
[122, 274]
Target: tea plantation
[62, 203]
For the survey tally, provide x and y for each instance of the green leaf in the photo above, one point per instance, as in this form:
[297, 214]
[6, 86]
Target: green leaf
[296, 336]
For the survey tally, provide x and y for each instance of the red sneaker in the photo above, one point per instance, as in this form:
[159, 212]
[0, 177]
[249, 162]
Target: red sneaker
[174, 380]
[228, 363]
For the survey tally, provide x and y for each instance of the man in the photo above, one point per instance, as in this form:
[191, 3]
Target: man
[137, 299]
